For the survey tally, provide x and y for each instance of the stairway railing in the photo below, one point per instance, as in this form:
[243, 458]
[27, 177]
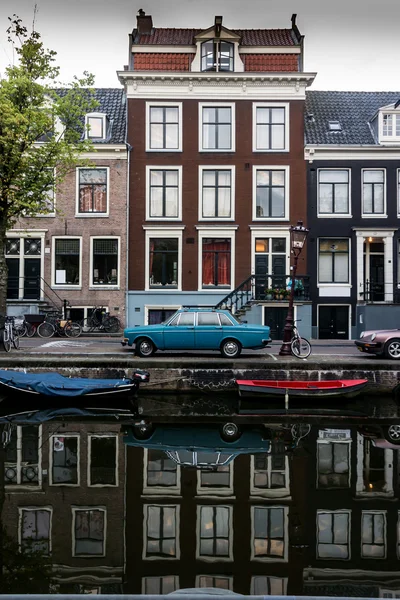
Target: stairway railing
[34, 288]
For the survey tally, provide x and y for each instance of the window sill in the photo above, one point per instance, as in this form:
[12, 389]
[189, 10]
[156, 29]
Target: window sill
[333, 216]
[266, 219]
[324, 285]
[378, 216]
[91, 215]
[163, 150]
[103, 286]
[165, 219]
[270, 150]
[66, 286]
[213, 150]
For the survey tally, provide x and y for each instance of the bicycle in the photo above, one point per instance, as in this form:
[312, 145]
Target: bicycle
[10, 335]
[299, 346]
[60, 327]
[24, 328]
[101, 320]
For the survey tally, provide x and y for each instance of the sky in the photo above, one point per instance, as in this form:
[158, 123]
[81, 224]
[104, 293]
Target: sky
[350, 44]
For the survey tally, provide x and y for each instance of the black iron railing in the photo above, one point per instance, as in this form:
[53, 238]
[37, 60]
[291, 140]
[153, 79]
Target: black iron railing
[272, 288]
[34, 288]
[374, 292]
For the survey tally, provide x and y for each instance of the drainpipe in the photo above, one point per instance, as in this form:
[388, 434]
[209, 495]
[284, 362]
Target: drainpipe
[128, 149]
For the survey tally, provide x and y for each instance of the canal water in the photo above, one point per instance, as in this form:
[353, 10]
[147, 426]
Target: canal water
[176, 492]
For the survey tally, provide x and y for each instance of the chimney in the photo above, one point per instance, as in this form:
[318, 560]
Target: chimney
[144, 22]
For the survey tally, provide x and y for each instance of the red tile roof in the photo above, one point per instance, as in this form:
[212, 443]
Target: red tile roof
[153, 61]
[248, 37]
[270, 62]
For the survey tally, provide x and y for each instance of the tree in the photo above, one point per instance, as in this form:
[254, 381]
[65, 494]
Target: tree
[41, 132]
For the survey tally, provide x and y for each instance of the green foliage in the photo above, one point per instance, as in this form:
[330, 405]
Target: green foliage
[24, 571]
[41, 126]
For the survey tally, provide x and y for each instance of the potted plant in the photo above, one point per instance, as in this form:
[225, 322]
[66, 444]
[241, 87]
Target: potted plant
[269, 293]
[282, 293]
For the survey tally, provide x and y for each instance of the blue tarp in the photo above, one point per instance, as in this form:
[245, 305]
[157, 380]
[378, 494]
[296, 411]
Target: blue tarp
[54, 384]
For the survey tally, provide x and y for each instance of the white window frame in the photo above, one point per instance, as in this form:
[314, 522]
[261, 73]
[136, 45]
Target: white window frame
[103, 435]
[76, 509]
[96, 115]
[334, 512]
[177, 105]
[177, 532]
[230, 168]
[286, 170]
[22, 235]
[363, 444]
[112, 286]
[393, 139]
[228, 578]
[95, 215]
[263, 232]
[347, 215]
[398, 191]
[283, 492]
[203, 490]
[343, 284]
[78, 452]
[166, 232]
[161, 490]
[215, 558]
[24, 486]
[381, 513]
[230, 105]
[160, 581]
[382, 215]
[254, 556]
[65, 286]
[208, 232]
[48, 509]
[286, 107]
[150, 168]
[283, 580]
[347, 442]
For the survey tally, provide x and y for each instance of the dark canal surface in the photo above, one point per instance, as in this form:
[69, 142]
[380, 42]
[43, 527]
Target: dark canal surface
[303, 502]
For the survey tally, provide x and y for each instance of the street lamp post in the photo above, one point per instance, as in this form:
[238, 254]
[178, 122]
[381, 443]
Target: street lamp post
[298, 236]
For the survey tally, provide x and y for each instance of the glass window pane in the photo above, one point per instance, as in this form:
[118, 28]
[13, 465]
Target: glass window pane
[341, 198]
[156, 114]
[277, 202]
[325, 196]
[334, 176]
[325, 268]
[156, 202]
[277, 115]
[171, 114]
[278, 244]
[209, 115]
[373, 176]
[224, 136]
[156, 136]
[278, 177]
[278, 137]
[209, 202]
[209, 178]
[262, 137]
[341, 268]
[171, 136]
[224, 115]
[171, 199]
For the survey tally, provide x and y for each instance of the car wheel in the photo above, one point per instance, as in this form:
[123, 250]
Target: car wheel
[143, 430]
[392, 434]
[392, 349]
[231, 348]
[145, 347]
[230, 432]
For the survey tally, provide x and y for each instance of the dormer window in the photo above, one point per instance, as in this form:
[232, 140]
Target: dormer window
[96, 126]
[390, 125]
[217, 55]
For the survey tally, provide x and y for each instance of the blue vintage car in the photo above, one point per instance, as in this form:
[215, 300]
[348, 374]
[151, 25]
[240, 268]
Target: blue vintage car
[198, 329]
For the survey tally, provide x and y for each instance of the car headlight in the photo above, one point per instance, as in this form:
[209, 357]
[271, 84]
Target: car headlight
[362, 334]
[373, 336]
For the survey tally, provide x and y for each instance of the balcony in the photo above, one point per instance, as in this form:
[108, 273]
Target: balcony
[380, 293]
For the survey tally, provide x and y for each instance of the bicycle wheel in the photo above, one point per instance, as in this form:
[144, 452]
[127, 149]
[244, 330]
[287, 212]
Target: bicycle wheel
[15, 338]
[300, 347]
[30, 329]
[72, 329]
[87, 325]
[45, 330]
[6, 340]
[22, 329]
[111, 324]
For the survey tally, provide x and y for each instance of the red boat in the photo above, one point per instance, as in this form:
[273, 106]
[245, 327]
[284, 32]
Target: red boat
[344, 388]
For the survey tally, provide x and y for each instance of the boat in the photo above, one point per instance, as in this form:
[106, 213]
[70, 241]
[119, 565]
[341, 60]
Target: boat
[50, 385]
[275, 388]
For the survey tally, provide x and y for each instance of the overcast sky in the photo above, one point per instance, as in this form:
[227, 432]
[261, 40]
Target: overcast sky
[350, 44]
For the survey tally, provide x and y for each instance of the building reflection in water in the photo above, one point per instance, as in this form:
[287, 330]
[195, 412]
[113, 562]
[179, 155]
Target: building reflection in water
[320, 517]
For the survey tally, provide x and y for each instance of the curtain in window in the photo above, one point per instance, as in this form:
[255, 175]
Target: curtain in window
[216, 262]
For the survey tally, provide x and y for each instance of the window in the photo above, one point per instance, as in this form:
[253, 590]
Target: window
[334, 126]
[217, 55]
[21, 461]
[333, 263]
[216, 193]
[67, 261]
[96, 126]
[214, 581]
[270, 474]
[214, 532]
[163, 127]
[103, 460]
[64, 460]
[269, 533]
[92, 191]
[373, 192]
[333, 464]
[163, 262]
[161, 530]
[159, 315]
[160, 585]
[35, 529]
[105, 261]
[216, 127]
[160, 473]
[271, 193]
[270, 127]
[216, 263]
[373, 532]
[333, 534]
[262, 585]
[89, 527]
[270, 260]
[333, 192]
[390, 126]
[164, 200]
[215, 482]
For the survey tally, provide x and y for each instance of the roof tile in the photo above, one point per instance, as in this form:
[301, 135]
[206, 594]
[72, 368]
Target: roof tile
[270, 62]
[185, 37]
[153, 61]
